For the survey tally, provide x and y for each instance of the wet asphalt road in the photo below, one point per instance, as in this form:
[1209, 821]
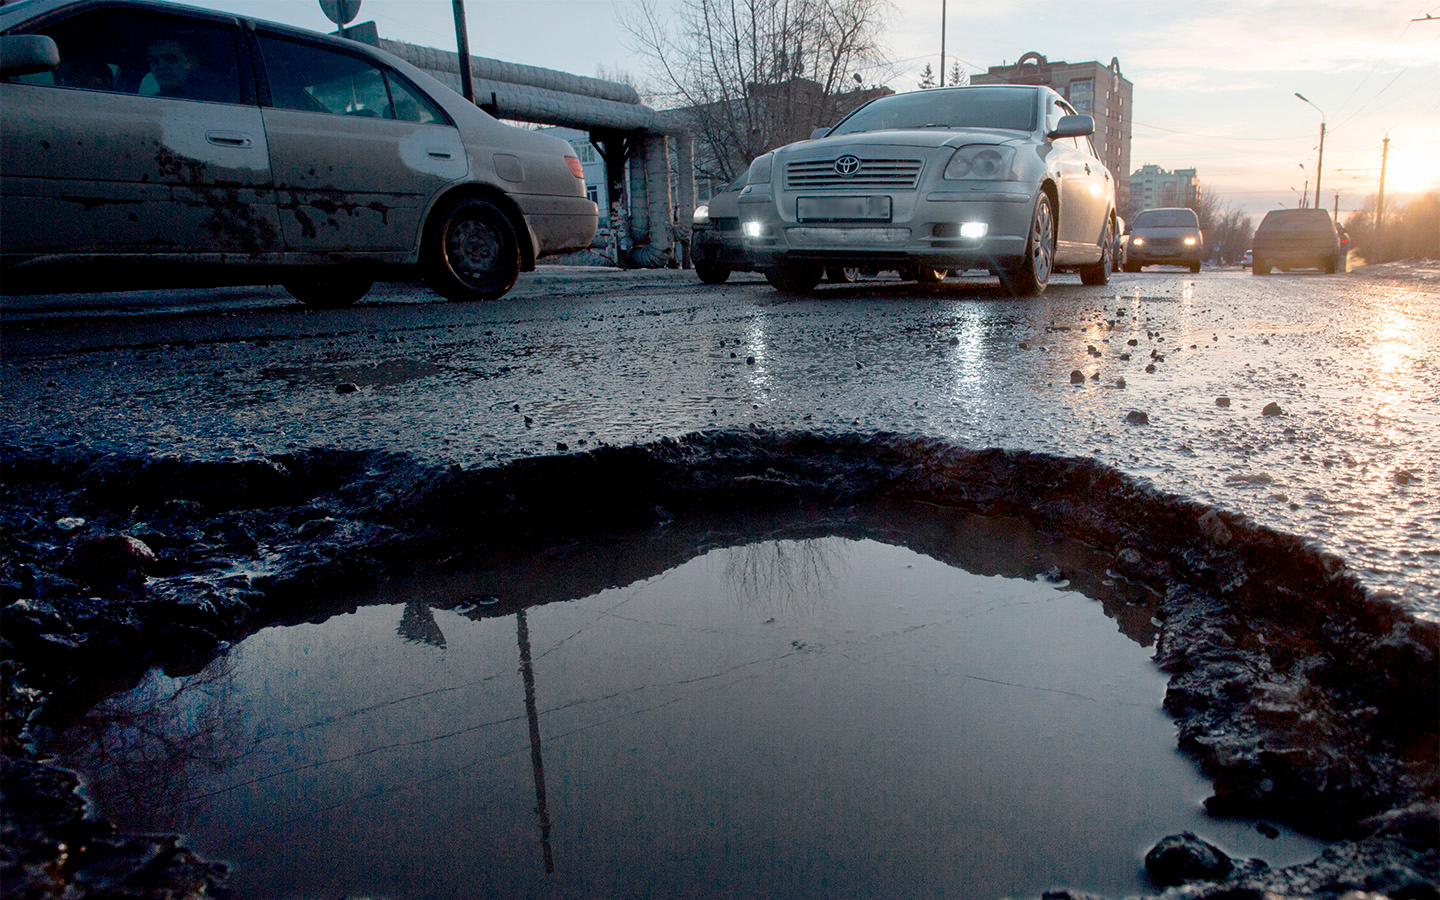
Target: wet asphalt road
[575, 358]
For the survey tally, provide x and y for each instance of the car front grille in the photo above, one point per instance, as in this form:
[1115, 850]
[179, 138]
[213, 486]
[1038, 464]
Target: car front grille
[873, 174]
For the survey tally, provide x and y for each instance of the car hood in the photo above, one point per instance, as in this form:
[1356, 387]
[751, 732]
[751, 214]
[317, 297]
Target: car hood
[916, 138]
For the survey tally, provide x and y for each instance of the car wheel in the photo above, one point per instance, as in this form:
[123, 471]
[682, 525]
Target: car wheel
[1259, 266]
[712, 272]
[1033, 274]
[794, 278]
[329, 292]
[471, 252]
[1194, 268]
[1099, 273]
[842, 275]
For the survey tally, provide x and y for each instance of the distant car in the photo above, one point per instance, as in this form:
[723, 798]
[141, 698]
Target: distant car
[146, 143]
[1298, 239]
[998, 177]
[1248, 258]
[715, 245]
[1168, 236]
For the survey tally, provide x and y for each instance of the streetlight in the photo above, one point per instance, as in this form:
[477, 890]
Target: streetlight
[1320, 160]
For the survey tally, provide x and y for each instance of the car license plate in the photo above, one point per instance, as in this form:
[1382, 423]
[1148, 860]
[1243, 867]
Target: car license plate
[842, 209]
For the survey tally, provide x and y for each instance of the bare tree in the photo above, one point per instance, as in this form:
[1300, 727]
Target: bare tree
[752, 75]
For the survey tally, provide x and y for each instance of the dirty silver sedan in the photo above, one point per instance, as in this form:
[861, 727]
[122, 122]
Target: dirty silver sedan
[997, 177]
[149, 144]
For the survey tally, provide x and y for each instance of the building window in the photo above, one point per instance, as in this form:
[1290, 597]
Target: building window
[585, 150]
[1081, 95]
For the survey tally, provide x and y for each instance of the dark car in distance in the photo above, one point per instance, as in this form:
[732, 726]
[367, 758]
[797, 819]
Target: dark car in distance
[1298, 239]
[715, 244]
[1165, 237]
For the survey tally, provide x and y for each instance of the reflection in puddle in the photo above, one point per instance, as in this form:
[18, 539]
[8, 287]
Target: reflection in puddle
[789, 718]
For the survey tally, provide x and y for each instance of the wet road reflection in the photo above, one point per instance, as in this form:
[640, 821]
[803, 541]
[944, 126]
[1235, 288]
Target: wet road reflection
[780, 717]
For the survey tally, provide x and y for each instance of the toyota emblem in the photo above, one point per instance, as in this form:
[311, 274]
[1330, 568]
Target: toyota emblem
[847, 165]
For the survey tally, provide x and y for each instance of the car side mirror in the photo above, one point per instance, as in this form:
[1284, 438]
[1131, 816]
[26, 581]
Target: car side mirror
[1073, 127]
[819, 133]
[27, 54]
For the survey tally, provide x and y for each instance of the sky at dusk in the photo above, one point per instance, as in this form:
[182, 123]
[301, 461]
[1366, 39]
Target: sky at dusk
[1215, 82]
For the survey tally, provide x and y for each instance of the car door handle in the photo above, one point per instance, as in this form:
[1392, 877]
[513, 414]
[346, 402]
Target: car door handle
[1087, 168]
[440, 154]
[229, 139]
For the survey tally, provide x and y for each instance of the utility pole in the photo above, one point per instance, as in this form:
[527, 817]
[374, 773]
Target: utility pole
[462, 44]
[942, 42]
[1380, 203]
[1320, 160]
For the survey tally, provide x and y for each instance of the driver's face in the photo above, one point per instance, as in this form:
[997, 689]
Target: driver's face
[170, 63]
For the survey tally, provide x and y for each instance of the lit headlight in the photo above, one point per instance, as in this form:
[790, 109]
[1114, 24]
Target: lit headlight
[981, 161]
[1137, 241]
[760, 170]
[753, 229]
[1190, 242]
[974, 230]
[702, 215]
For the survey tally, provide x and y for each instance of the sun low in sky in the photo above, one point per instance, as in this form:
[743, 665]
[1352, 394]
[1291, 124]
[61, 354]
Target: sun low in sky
[1215, 84]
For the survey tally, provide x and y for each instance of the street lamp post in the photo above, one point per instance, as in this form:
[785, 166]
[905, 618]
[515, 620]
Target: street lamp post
[1320, 160]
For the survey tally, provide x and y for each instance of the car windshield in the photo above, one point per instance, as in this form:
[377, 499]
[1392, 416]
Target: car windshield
[962, 108]
[1166, 218]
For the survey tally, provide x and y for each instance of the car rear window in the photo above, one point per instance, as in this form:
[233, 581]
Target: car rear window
[1316, 220]
[1167, 218]
[968, 108]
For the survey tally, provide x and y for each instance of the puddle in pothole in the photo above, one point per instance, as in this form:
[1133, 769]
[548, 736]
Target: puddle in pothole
[815, 717]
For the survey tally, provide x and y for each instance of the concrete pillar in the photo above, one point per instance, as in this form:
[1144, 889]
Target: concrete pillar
[654, 237]
[685, 215]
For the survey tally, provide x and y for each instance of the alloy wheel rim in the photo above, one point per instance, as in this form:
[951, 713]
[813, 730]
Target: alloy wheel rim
[1042, 252]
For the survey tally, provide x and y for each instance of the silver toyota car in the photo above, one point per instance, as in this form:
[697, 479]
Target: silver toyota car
[146, 143]
[1003, 178]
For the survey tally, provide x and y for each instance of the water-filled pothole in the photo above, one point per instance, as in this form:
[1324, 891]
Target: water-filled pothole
[781, 715]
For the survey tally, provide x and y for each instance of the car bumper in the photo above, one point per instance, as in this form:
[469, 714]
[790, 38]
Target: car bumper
[1162, 257]
[930, 236]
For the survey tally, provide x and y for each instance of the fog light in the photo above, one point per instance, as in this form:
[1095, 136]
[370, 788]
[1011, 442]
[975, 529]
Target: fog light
[1190, 242]
[752, 229]
[974, 230]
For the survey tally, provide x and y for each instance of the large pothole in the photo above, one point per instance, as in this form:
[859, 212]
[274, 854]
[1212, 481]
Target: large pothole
[779, 664]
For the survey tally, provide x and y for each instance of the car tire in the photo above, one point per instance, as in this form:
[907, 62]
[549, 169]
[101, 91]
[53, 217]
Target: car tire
[1032, 276]
[1259, 266]
[330, 291]
[842, 275]
[1194, 268]
[794, 278]
[712, 272]
[1099, 273]
[471, 252]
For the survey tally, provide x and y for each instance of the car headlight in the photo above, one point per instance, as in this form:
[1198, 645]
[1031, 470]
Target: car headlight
[1190, 242]
[981, 161]
[753, 229]
[1137, 241]
[760, 170]
[702, 215]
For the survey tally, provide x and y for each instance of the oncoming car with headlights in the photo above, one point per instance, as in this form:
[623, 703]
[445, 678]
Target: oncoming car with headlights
[1001, 177]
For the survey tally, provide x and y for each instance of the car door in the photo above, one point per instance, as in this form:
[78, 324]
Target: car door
[356, 150]
[1083, 186]
[99, 158]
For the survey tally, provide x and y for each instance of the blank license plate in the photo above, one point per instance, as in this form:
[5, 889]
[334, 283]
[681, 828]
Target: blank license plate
[843, 209]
